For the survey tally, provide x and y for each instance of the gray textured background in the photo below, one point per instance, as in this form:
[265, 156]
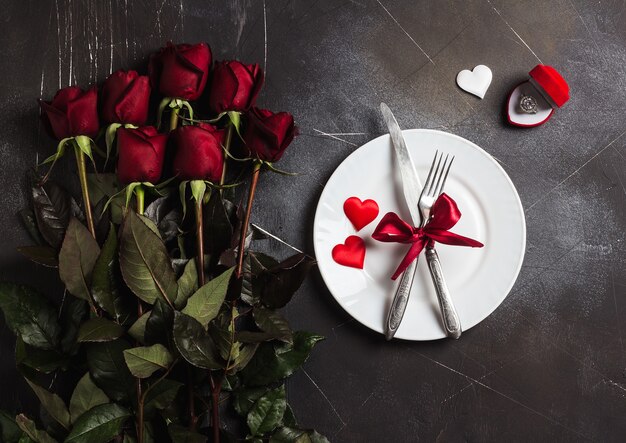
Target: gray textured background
[549, 364]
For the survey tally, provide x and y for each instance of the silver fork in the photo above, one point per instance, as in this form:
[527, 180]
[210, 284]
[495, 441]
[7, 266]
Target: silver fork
[433, 187]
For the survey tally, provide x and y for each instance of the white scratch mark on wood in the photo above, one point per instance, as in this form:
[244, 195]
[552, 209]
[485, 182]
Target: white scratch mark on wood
[575, 172]
[265, 38]
[56, 5]
[334, 137]
[346, 133]
[111, 35]
[278, 239]
[514, 31]
[404, 30]
[70, 41]
[325, 397]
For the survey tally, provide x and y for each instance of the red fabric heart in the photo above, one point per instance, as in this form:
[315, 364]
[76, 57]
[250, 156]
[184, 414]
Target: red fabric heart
[360, 213]
[351, 253]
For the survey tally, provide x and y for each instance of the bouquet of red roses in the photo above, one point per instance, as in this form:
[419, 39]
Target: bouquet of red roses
[169, 317]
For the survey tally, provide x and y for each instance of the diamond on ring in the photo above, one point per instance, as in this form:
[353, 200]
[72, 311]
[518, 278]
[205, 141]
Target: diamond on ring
[528, 104]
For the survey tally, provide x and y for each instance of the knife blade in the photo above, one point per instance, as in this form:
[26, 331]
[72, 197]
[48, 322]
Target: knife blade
[411, 184]
[412, 187]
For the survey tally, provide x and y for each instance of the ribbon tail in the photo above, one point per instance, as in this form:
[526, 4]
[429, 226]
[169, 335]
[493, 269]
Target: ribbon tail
[411, 255]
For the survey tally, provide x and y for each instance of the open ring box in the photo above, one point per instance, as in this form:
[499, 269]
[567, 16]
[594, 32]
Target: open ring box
[547, 87]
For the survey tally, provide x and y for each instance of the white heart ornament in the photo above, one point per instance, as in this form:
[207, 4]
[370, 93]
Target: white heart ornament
[476, 81]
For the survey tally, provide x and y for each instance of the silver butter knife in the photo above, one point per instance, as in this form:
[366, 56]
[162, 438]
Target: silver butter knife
[411, 187]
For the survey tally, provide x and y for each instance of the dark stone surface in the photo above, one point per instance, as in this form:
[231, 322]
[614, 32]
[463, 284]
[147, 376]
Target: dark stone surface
[549, 364]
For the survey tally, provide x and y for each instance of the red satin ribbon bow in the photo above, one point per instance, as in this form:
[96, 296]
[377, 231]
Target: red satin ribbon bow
[444, 215]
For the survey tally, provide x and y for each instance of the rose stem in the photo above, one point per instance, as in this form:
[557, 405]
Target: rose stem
[174, 118]
[199, 242]
[140, 200]
[82, 175]
[227, 140]
[216, 389]
[246, 221]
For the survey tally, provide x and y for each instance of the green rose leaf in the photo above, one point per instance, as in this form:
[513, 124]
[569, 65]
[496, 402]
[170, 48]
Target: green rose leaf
[41, 360]
[53, 404]
[162, 394]
[181, 434]
[27, 217]
[52, 209]
[187, 283]
[29, 315]
[245, 398]
[104, 285]
[77, 258]
[145, 265]
[273, 323]
[73, 312]
[99, 329]
[29, 428]
[205, 303]
[145, 360]
[9, 431]
[86, 395]
[108, 368]
[275, 362]
[243, 357]
[267, 412]
[220, 230]
[42, 255]
[138, 329]
[294, 435]
[194, 343]
[282, 281]
[99, 424]
[159, 325]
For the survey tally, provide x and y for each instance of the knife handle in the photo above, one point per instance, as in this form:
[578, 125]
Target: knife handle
[451, 321]
[400, 300]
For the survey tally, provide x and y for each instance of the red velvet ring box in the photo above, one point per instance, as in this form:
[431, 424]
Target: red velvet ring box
[547, 87]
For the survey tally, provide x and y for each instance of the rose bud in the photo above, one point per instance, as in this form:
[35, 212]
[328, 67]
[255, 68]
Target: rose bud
[180, 71]
[125, 97]
[234, 86]
[267, 134]
[73, 112]
[141, 153]
[199, 154]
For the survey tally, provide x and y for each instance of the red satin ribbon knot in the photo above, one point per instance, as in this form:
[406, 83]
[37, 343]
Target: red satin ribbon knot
[444, 215]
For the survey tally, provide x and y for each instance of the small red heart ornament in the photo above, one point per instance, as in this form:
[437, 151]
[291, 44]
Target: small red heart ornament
[351, 253]
[360, 213]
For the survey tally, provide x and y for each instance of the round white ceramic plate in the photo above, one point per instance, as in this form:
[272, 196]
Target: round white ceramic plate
[478, 278]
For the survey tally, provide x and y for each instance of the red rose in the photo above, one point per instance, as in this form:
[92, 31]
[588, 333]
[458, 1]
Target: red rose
[125, 97]
[199, 154]
[180, 71]
[73, 112]
[267, 134]
[141, 153]
[234, 86]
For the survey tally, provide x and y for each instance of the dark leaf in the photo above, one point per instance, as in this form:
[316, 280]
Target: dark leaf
[218, 229]
[9, 431]
[245, 398]
[205, 303]
[36, 435]
[289, 419]
[162, 394]
[29, 315]
[86, 395]
[53, 404]
[138, 329]
[181, 434]
[104, 282]
[27, 216]
[145, 265]
[243, 357]
[77, 258]
[42, 255]
[73, 312]
[143, 361]
[187, 284]
[294, 435]
[282, 281]
[275, 362]
[108, 368]
[166, 215]
[267, 412]
[98, 425]
[221, 332]
[248, 294]
[273, 323]
[40, 360]
[194, 343]
[52, 209]
[99, 330]
[159, 325]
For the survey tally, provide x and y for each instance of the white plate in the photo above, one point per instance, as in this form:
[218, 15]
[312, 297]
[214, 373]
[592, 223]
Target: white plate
[478, 278]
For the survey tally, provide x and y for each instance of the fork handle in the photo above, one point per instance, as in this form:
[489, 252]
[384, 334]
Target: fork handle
[451, 322]
[400, 300]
